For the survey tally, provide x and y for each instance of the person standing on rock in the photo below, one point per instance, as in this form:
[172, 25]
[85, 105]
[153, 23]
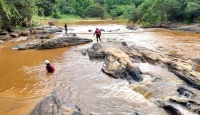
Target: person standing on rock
[98, 34]
[65, 26]
[49, 67]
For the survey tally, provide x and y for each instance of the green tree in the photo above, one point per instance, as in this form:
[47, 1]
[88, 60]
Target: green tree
[14, 12]
[100, 2]
[80, 6]
[192, 11]
[95, 11]
[46, 7]
[113, 14]
[153, 11]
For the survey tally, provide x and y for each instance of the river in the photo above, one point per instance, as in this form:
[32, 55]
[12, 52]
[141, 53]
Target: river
[79, 80]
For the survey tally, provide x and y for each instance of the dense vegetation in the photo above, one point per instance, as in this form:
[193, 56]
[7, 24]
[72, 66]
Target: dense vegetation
[20, 12]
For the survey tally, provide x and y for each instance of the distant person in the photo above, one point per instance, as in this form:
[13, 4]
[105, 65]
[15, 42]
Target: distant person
[50, 68]
[98, 34]
[65, 26]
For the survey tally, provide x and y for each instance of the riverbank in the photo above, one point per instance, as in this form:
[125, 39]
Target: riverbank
[192, 27]
[70, 19]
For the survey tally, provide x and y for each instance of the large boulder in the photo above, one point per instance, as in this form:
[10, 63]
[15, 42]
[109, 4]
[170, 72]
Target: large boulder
[14, 34]
[44, 29]
[63, 42]
[51, 105]
[42, 36]
[96, 52]
[5, 37]
[51, 23]
[118, 64]
[12, 29]
[3, 32]
[132, 27]
[25, 46]
[25, 32]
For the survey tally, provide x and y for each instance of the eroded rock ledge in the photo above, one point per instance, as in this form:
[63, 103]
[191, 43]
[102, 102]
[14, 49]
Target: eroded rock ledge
[52, 43]
[116, 62]
[185, 69]
[119, 59]
[63, 42]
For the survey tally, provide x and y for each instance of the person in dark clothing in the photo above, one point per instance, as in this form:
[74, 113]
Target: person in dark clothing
[98, 34]
[50, 68]
[65, 26]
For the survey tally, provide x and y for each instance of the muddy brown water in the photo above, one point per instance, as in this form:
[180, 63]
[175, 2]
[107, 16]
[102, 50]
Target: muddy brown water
[24, 81]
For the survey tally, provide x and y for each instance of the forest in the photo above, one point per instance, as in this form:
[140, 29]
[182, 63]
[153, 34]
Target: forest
[20, 12]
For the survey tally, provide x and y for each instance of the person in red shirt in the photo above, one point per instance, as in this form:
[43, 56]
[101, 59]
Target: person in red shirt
[50, 68]
[98, 34]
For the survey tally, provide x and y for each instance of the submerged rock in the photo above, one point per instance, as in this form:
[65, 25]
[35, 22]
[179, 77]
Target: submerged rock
[187, 93]
[190, 105]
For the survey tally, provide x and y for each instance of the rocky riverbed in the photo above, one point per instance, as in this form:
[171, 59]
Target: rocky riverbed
[145, 70]
[120, 61]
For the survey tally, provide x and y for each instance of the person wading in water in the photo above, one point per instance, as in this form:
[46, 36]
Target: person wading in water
[50, 68]
[98, 34]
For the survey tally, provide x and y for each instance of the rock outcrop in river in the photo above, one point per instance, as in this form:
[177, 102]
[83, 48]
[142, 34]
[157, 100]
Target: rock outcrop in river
[119, 61]
[194, 28]
[52, 43]
[51, 105]
[116, 62]
[13, 32]
[45, 29]
[62, 42]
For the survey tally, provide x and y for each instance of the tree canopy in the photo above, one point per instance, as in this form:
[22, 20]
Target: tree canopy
[20, 12]
[15, 12]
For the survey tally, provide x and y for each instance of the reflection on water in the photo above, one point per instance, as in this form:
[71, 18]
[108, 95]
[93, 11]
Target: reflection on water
[78, 80]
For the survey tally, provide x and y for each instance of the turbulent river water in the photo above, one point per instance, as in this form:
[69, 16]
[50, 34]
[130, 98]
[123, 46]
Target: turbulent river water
[79, 80]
